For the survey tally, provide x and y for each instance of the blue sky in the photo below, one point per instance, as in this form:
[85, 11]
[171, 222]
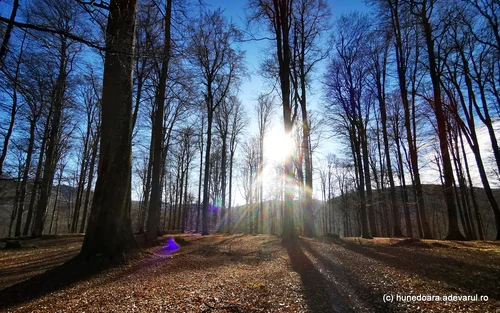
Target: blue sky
[254, 84]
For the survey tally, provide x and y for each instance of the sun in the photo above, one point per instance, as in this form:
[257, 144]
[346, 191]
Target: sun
[277, 146]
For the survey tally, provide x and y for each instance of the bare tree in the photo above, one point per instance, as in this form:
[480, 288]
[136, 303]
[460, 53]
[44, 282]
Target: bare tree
[423, 10]
[310, 20]
[236, 126]
[264, 109]
[155, 203]
[277, 15]
[219, 64]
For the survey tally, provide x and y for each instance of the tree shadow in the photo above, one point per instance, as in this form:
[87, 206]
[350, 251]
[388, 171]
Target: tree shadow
[54, 279]
[17, 272]
[460, 275]
[329, 294]
[59, 276]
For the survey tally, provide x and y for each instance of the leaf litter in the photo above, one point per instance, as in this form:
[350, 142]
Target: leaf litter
[239, 273]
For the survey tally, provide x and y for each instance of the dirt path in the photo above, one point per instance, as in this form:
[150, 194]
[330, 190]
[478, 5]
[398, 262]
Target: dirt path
[257, 274]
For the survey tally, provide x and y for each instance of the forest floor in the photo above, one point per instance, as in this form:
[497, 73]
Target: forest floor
[239, 273]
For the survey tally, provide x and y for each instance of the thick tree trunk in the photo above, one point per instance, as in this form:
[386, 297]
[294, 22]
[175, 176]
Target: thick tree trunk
[109, 232]
[282, 28]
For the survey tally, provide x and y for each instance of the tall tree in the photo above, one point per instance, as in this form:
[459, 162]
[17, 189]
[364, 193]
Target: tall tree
[277, 14]
[264, 109]
[379, 59]
[310, 20]
[403, 42]
[423, 10]
[220, 64]
[236, 126]
[64, 17]
[350, 103]
[109, 232]
[155, 203]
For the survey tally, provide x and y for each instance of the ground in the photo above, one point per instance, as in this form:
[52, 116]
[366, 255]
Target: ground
[256, 274]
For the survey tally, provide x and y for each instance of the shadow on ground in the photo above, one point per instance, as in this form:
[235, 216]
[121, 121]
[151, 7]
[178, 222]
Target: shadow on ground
[58, 277]
[328, 293]
[468, 278]
[54, 279]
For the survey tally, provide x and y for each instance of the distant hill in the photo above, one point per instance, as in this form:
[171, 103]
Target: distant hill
[342, 211]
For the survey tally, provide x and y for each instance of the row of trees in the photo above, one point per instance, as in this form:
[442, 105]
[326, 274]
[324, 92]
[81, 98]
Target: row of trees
[169, 94]
[79, 123]
[409, 83]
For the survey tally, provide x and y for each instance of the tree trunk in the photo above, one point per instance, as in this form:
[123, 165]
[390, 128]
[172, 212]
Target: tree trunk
[55, 202]
[380, 83]
[81, 179]
[368, 182]
[147, 187]
[355, 139]
[401, 68]
[404, 191]
[53, 140]
[453, 228]
[8, 134]
[472, 192]
[24, 183]
[90, 179]
[223, 220]
[282, 28]
[109, 232]
[231, 159]
[200, 176]
[8, 31]
[204, 217]
[155, 203]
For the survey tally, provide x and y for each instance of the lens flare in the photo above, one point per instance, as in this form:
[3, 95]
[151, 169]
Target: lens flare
[171, 245]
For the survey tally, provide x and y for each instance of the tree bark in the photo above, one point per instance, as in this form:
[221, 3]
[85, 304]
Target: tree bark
[24, 183]
[401, 69]
[155, 203]
[91, 178]
[8, 31]
[453, 228]
[51, 154]
[109, 232]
